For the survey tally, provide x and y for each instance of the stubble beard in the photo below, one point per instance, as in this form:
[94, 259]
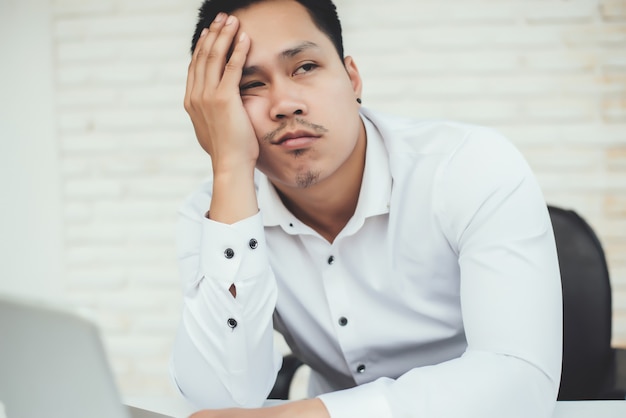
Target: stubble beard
[307, 179]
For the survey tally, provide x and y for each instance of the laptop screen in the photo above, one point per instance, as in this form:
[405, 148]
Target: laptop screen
[52, 364]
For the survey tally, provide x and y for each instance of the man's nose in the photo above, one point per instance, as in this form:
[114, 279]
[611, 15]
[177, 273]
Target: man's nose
[287, 102]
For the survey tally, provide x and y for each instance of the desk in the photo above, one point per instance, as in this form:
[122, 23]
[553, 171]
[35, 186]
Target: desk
[590, 409]
[179, 408]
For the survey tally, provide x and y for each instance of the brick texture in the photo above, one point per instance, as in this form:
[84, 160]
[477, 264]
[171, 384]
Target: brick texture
[550, 74]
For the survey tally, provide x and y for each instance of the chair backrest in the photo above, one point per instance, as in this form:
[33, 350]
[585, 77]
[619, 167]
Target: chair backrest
[588, 359]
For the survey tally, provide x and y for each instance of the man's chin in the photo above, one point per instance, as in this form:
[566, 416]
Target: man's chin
[307, 179]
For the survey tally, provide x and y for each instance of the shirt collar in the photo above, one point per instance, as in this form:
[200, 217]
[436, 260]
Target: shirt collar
[375, 191]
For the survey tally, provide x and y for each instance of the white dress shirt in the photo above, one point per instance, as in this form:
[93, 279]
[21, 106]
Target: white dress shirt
[441, 297]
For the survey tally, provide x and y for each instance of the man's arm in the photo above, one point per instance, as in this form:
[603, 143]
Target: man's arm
[220, 121]
[307, 408]
[223, 355]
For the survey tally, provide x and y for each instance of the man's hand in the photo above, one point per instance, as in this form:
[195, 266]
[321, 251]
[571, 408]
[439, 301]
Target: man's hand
[221, 123]
[212, 96]
[309, 408]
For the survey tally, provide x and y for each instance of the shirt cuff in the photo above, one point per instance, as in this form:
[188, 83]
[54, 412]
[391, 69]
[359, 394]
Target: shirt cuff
[365, 401]
[233, 253]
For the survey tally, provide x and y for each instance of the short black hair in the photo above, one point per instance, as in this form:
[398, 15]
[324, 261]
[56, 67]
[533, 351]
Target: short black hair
[322, 12]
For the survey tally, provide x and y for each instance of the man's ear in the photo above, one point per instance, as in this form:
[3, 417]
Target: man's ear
[353, 74]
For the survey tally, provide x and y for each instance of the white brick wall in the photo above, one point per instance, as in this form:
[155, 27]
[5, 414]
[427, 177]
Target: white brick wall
[550, 74]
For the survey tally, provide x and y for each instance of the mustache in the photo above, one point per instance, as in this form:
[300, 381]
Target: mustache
[318, 129]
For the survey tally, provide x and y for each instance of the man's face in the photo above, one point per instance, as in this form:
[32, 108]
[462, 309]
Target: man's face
[300, 97]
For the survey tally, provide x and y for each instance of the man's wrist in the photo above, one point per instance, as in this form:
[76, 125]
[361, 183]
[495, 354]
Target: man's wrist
[234, 196]
[307, 408]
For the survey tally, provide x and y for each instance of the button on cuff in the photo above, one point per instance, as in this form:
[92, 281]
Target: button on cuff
[245, 263]
[229, 253]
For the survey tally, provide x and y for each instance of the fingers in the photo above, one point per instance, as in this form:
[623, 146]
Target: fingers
[191, 72]
[234, 67]
[192, 65]
[208, 62]
[195, 73]
[217, 57]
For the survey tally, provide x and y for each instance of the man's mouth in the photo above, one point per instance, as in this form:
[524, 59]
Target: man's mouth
[296, 139]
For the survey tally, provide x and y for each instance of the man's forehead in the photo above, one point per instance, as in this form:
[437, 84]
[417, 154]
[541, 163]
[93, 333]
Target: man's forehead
[281, 48]
[275, 16]
[280, 29]
[272, 9]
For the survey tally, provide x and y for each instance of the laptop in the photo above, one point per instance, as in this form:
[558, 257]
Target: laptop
[53, 364]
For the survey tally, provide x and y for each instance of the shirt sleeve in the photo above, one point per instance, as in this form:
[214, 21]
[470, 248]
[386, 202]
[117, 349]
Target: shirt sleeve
[490, 208]
[223, 355]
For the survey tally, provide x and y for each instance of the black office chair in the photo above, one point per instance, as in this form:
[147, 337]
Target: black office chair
[285, 376]
[590, 364]
[592, 369]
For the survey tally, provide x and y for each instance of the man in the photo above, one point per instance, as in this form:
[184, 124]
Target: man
[411, 264]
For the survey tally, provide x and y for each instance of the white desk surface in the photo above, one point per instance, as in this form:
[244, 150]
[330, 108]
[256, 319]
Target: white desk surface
[179, 408]
[590, 409]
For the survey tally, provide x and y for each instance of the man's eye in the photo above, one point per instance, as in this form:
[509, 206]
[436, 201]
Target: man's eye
[251, 85]
[305, 68]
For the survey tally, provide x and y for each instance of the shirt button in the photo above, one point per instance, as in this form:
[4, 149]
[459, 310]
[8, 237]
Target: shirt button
[331, 259]
[229, 253]
[343, 321]
[253, 243]
[232, 322]
[360, 368]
